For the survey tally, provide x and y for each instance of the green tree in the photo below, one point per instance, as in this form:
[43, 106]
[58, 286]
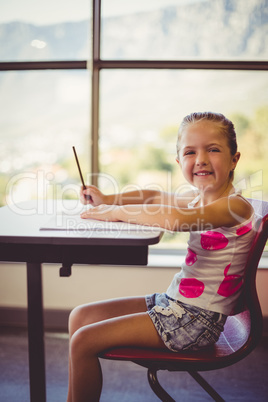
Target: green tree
[153, 158]
[241, 123]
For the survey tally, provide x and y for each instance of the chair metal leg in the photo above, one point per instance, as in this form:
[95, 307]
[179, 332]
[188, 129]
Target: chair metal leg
[206, 386]
[156, 387]
[165, 397]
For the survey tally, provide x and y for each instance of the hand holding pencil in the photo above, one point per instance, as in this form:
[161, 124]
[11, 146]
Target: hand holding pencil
[91, 195]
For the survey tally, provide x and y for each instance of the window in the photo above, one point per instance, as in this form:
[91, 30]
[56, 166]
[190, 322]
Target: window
[184, 30]
[45, 96]
[152, 63]
[140, 112]
[34, 30]
[47, 113]
[159, 61]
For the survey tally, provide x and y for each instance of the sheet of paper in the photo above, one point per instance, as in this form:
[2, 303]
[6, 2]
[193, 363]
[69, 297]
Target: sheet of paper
[75, 222]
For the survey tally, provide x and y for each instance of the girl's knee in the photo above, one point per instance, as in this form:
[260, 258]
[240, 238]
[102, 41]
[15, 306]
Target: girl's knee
[76, 319]
[76, 344]
[82, 344]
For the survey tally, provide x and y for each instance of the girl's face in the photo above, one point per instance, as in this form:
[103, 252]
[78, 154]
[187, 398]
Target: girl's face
[205, 157]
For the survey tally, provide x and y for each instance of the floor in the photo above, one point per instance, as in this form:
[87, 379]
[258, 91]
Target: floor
[124, 381]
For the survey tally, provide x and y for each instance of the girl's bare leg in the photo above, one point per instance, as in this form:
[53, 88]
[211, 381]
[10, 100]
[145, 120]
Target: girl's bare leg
[99, 326]
[94, 312]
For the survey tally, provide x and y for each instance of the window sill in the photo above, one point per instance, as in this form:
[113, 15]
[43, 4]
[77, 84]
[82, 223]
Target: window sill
[167, 259]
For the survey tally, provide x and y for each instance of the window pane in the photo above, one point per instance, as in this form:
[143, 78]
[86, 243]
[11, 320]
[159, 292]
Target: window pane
[179, 29]
[46, 113]
[141, 112]
[34, 30]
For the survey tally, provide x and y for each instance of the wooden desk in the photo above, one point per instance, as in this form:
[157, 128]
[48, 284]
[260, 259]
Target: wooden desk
[22, 241]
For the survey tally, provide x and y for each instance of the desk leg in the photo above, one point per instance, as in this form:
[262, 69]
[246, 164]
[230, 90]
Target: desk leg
[36, 333]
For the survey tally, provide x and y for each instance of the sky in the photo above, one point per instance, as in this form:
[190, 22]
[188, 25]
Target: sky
[42, 12]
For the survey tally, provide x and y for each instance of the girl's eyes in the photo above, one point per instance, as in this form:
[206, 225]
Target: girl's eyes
[214, 150]
[209, 150]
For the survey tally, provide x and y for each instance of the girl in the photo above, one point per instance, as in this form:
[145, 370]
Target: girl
[192, 312]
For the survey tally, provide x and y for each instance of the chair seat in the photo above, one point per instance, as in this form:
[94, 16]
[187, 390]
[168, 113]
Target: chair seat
[222, 354]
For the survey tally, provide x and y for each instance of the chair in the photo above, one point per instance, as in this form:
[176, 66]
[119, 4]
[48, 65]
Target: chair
[242, 332]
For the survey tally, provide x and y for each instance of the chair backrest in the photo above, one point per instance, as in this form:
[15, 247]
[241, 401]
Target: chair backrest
[257, 247]
[249, 296]
[243, 329]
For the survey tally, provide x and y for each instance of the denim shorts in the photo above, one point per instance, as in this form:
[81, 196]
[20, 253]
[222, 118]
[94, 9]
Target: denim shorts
[182, 326]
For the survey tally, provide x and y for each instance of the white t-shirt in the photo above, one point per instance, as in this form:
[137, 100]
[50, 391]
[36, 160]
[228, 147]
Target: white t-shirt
[211, 276]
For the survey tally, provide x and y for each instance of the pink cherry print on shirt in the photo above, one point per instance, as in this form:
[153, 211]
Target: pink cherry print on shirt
[230, 284]
[213, 240]
[191, 288]
[191, 257]
[244, 229]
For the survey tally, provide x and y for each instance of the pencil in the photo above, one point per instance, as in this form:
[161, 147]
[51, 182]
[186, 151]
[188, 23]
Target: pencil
[88, 197]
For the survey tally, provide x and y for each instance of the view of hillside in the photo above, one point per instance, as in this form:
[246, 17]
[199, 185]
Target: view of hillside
[201, 29]
[44, 113]
[206, 29]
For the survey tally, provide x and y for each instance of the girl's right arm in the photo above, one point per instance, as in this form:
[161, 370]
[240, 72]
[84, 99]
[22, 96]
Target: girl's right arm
[142, 196]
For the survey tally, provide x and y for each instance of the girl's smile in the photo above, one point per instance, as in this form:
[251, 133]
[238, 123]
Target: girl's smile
[202, 173]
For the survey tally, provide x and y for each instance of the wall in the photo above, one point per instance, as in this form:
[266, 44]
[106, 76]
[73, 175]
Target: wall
[87, 283]
[92, 283]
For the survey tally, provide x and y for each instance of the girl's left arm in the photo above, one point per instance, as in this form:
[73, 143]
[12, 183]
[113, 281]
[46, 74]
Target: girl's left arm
[222, 212]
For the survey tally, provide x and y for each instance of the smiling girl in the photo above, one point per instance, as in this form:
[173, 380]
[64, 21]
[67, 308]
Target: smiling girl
[192, 312]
